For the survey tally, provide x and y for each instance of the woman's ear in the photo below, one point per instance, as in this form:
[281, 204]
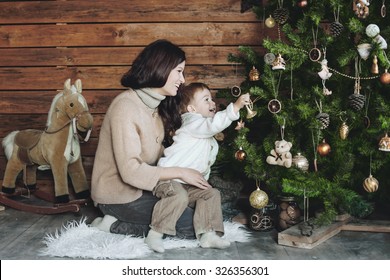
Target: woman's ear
[191, 109]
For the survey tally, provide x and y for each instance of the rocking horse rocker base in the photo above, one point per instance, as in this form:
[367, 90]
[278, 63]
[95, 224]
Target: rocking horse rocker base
[7, 199]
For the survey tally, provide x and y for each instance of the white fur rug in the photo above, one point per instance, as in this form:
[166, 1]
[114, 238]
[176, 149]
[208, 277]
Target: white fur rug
[79, 240]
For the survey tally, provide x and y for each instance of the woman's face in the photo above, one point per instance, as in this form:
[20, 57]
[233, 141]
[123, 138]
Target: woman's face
[175, 79]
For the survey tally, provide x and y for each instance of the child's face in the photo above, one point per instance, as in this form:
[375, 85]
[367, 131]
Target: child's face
[202, 103]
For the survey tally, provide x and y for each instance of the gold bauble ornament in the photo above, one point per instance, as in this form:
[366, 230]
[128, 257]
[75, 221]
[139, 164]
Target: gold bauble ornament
[371, 184]
[344, 131]
[324, 148]
[258, 199]
[240, 154]
[385, 78]
[270, 22]
[254, 74]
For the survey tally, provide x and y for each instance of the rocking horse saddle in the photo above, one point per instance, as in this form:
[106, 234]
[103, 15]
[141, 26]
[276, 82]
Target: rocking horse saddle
[26, 140]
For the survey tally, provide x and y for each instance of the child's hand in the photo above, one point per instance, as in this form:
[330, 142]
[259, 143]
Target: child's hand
[241, 101]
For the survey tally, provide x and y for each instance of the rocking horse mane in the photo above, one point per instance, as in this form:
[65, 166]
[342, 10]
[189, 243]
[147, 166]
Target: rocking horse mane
[52, 109]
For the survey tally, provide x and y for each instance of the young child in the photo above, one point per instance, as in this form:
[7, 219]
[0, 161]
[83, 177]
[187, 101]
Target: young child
[194, 147]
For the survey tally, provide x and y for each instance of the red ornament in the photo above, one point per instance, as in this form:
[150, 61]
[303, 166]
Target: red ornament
[385, 78]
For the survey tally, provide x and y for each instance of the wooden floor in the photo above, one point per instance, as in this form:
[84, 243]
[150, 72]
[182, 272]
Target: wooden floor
[21, 236]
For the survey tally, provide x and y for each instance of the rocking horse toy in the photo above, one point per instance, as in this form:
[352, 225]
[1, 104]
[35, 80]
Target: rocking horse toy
[58, 146]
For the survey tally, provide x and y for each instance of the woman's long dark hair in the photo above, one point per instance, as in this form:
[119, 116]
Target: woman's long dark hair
[169, 110]
[153, 65]
[151, 69]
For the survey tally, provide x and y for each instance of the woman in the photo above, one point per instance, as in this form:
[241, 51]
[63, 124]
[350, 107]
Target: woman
[131, 142]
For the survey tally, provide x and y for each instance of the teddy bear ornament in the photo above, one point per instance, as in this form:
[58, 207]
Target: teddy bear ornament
[281, 154]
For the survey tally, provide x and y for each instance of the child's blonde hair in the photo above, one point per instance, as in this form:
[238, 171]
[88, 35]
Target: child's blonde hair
[187, 93]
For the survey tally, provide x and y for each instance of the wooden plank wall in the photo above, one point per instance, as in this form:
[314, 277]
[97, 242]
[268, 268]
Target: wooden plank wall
[42, 43]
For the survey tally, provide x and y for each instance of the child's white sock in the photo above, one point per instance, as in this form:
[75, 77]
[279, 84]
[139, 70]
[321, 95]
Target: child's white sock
[104, 223]
[212, 240]
[155, 241]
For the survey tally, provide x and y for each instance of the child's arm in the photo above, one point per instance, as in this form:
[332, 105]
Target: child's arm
[241, 102]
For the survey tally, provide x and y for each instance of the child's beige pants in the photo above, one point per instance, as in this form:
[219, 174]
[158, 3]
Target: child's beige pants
[175, 197]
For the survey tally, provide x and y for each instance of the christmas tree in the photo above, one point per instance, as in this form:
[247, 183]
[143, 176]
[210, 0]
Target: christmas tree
[321, 99]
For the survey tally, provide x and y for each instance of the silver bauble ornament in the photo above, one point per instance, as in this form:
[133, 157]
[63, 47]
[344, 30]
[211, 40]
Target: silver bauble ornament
[300, 162]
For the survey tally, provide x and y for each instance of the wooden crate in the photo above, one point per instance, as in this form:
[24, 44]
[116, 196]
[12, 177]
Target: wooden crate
[293, 237]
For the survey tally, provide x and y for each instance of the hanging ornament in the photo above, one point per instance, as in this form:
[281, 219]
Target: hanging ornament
[344, 131]
[302, 3]
[356, 100]
[220, 136]
[324, 75]
[383, 9]
[371, 184]
[240, 125]
[323, 148]
[270, 22]
[322, 118]
[240, 154]
[384, 144]
[274, 106]
[281, 14]
[300, 162]
[360, 7]
[374, 67]
[281, 154]
[364, 50]
[315, 53]
[269, 58]
[366, 119]
[249, 108]
[336, 27]
[235, 91]
[258, 199]
[385, 78]
[279, 63]
[372, 31]
[254, 74]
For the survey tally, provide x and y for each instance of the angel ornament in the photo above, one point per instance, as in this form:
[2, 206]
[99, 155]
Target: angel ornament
[324, 75]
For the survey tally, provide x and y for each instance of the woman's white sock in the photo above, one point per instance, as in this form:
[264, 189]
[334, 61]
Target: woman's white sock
[104, 223]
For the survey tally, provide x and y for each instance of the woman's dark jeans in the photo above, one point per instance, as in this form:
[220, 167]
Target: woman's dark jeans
[134, 218]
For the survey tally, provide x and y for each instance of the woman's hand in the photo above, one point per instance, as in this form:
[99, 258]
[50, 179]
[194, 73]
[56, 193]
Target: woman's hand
[187, 175]
[194, 178]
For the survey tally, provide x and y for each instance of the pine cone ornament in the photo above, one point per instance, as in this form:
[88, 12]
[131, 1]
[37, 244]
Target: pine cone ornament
[356, 101]
[323, 119]
[336, 28]
[281, 15]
